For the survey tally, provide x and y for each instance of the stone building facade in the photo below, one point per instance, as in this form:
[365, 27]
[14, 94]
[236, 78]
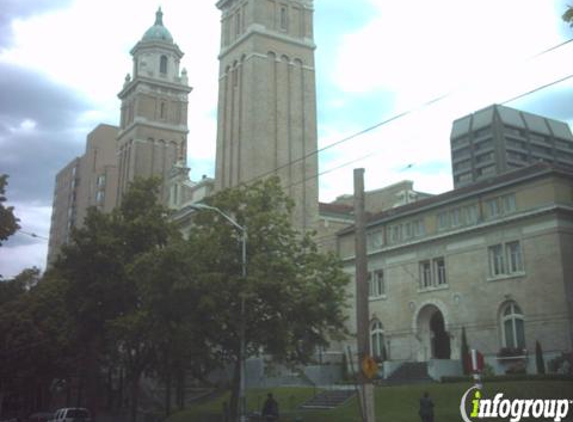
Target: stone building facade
[89, 180]
[153, 125]
[493, 258]
[151, 141]
[266, 121]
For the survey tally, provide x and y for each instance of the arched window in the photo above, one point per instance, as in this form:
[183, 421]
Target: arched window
[377, 348]
[512, 326]
[162, 110]
[163, 65]
[284, 18]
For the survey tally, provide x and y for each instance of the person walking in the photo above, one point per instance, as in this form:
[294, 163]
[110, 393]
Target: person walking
[426, 411]
[270, 409]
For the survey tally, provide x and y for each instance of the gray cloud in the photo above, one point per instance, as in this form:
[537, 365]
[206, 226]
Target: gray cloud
[33, 157]
[553, 102]
[13, 9]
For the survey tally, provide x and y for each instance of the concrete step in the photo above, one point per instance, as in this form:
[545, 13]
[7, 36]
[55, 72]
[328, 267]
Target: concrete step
[329, 399]
[410, 373]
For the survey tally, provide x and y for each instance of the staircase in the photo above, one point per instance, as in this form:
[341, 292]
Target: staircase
[329, 399]
[410, 373]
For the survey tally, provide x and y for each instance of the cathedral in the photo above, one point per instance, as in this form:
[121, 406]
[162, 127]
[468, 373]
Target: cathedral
[489, 258]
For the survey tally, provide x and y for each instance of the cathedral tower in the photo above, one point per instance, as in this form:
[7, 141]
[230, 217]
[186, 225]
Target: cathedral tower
[153, 126]
[267, 99]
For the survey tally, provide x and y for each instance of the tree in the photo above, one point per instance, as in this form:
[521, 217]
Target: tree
[103, 298]
[295, 296]
[568, 15]
[8, 221]
[34, 337]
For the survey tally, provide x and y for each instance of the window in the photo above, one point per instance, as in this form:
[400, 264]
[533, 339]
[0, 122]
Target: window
[443, 220]
[433, 273]
[163, 65]
[408, 231]
[377, 348]
[512, 326]
[509, 204]
[99, 196]
[426, 274]
[470, 214]
[284, 18]
[513, 131]
[455, 217]
[496, 261]
[492, 208]
[514, 262]
[440, 267]
[376, 285]
[375, 240]
[101, 180]
[238, 22]
[395, 233]
[419, 228]
[505, 259]
[463, 178]
[501, 205]
[162, 110]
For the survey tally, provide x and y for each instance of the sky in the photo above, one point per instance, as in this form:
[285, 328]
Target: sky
[62, 63]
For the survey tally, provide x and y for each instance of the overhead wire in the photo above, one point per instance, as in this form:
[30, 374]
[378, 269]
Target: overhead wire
[404, 114]
[314, 176]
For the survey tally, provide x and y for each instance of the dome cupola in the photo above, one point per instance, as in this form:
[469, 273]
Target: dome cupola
[158, 32]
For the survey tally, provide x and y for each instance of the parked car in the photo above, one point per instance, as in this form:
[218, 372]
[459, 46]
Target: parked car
[40, 417]
[72, 414]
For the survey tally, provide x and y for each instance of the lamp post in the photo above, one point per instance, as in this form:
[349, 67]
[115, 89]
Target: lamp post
[242, 329]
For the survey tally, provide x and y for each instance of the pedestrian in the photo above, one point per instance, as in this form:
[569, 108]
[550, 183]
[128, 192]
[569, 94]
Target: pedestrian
[270, 409]
[426, 411]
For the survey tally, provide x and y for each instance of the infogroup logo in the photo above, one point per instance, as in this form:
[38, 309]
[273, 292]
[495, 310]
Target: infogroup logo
[514, 409]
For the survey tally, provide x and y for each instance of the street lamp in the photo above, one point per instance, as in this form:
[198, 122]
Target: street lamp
[242, 334]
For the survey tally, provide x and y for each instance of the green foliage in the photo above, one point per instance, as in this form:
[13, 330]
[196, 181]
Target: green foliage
[8, 221]
[294, 294]
[568, 15]
[34, 335]
[562, 364]
[106, 299]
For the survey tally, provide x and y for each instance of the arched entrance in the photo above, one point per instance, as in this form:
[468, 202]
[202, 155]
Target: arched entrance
[439, 337]
[432, 335]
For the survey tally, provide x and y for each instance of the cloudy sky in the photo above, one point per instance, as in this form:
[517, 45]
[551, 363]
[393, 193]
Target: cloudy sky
[62, 63]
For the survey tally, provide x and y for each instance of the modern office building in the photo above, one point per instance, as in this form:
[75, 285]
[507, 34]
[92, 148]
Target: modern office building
[498, 139]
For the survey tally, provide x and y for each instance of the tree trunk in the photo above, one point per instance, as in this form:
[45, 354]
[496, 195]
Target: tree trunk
[134, 387]
[235, 383]
[121, 390]
[168, 392]
[181, 388]
[1, 399]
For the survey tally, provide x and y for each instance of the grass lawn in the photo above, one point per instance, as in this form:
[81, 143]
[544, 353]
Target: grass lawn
[393, 404]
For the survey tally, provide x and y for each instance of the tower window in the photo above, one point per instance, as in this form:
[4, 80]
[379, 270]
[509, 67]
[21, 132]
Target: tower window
[162, 110]
[163, 65]
[284, 18]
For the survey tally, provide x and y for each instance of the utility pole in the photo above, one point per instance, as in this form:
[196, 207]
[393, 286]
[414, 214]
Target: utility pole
[362, 311]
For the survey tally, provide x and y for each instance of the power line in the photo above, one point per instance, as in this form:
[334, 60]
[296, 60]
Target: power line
[404, 114]
[558, 81]
[34, 235]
